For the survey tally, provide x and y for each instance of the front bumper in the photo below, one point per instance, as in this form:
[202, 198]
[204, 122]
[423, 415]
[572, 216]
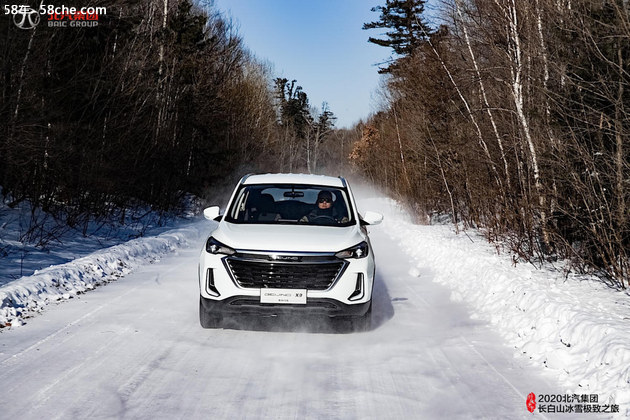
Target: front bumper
[224, 290]
[247, 305]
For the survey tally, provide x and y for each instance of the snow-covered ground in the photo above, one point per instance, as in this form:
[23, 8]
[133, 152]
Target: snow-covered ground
[28, 295]
[575, 326]
[32, 240]
[134, 349]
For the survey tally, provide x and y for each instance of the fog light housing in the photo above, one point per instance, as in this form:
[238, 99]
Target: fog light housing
[359, 289]
[210, 287]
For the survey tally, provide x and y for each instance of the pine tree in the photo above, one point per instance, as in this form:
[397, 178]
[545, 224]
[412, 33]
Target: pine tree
[294, 106]
[407, 28]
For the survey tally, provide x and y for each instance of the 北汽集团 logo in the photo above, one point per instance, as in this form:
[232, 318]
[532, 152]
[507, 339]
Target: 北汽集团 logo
[26, 18]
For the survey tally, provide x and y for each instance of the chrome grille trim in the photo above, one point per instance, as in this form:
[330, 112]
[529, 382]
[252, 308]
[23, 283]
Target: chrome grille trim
[313, 271]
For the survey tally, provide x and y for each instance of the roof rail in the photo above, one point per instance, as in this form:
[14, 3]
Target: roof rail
[343, 181]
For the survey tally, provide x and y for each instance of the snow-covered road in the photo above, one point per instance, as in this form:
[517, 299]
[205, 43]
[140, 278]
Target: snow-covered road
[134, 349]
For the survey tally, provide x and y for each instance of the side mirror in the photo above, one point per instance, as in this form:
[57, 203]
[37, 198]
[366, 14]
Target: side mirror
[372, 218]
[212, 213]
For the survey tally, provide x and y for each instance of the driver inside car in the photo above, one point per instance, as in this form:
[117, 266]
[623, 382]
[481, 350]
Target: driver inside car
[324, 209]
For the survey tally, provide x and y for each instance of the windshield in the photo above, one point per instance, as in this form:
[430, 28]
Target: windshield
[291, 204]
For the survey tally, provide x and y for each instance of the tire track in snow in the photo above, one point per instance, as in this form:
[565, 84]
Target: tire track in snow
[56, 344]
[12, 358]
[44, 394]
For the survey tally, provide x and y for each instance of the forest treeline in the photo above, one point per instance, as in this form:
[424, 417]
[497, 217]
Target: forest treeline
[162, 98]
[512, 116]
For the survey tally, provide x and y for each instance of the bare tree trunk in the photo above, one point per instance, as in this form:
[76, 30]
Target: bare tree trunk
[448, 189]
[402, 155]
[480, 138]
[22, 69]
[316, 148]
[516, 71]
[159, 94]
[619, 160]
[308, 152]
[484, 96]
[547, 120]
[164, 20]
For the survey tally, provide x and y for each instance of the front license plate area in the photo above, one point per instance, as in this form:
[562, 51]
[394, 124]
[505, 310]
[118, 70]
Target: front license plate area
[286, 296]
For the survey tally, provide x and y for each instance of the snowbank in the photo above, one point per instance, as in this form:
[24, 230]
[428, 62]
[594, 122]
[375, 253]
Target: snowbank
[31, 239]
[27, 295]
[575, 326]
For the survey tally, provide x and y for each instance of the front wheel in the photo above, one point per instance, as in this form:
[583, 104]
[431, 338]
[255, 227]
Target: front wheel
[206, 319]
[360, 323]
[363, 322]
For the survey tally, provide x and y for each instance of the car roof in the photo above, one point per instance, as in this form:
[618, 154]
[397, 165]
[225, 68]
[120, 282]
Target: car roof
[308, 179]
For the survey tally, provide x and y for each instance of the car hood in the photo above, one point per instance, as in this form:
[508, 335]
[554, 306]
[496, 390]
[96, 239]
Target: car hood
[292, 238]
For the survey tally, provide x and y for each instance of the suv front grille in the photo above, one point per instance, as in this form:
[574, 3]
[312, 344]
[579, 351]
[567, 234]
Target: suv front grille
[310, 274]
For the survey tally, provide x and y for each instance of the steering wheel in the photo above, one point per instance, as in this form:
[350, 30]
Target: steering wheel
[325, 218]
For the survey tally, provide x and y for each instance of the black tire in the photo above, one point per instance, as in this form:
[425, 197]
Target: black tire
[206, 319]
[363, 322]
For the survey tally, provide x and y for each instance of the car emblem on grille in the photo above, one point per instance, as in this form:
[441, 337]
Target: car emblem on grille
[285, 258]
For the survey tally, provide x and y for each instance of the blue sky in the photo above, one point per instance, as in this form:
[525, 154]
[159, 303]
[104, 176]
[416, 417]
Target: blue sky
[320, 44]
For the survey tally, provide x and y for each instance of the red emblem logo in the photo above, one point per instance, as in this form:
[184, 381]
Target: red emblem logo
[531, 402]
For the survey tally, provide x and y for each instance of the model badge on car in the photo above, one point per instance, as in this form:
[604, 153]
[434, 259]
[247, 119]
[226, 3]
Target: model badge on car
[284, 258]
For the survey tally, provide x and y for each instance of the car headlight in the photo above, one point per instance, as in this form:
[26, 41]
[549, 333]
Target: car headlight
[358, 251]
[215, 247]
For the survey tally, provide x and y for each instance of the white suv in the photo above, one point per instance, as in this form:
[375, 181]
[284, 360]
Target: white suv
[288, 243]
